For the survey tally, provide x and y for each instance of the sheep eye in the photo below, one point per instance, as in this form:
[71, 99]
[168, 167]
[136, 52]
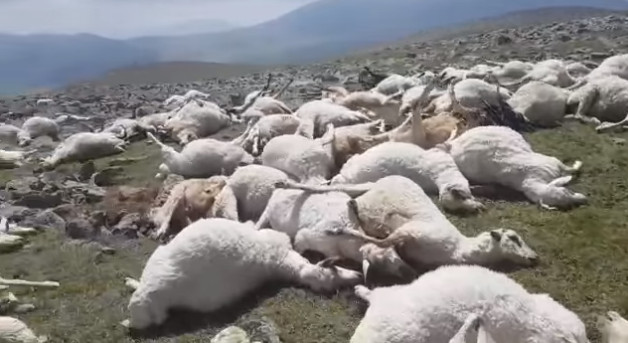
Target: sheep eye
[516, 240]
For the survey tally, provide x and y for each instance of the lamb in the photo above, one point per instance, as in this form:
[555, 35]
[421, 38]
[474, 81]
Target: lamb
[14, 159]
[15, 331]
[601, 99]
[182, 274]
[434, 307]
[35, 127]
[201, 158]
[540, 103]
[304, 159]
[84, 146]
[398, 210]
[613, 327]
[189, 201]
[318, 114]
[434, 170]
[498, 154]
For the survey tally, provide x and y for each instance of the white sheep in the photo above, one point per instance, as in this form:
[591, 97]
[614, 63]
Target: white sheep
[498, 154]
[126, 128]
[578, 70]
[179, 100]
[604, 98]
[552, 71]
[470, 93]
[247, 192]
[384, 107]
[196, 119]
[35, 127]
[318, 114]
[541, 103]
[13, 330]
[434, 307]
[14, 159]
[612, 66]
[395, 82]
[84, 146]
[215, 262]
[261, 103]
[398, 209]
[304, 159]
[511, 70]
[307, 219]
[613, 327]
[44, 102]
[155, 120]
[267, 128]
[434, 170]
[201, 158]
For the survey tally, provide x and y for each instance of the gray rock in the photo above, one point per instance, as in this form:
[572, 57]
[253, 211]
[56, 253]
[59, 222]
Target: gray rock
[47, 219]
[17, 213]
[107, 176]
[40, 200]
[80, 228]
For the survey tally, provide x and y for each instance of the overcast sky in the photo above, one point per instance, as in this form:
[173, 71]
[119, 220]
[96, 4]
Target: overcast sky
[124, 18]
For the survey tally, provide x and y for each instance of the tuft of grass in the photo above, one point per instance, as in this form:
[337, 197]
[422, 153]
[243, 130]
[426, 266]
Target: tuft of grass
[584, 260]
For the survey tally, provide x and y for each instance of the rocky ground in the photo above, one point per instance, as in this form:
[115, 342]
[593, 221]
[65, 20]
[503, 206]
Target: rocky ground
[92, 215]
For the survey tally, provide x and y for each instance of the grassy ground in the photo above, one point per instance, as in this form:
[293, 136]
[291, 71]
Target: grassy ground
[584, 252]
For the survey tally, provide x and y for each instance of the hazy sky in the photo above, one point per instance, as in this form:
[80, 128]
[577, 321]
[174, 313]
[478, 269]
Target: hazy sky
[123, 18]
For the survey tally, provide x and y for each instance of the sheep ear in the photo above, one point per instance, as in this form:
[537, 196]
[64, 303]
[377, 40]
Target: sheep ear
[496, 235]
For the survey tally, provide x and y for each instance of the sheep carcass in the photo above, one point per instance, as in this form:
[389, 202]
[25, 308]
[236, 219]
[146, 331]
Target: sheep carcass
[612, 66]
[307, 219]
[201, 158]
[196, 119]
[189, 201]
[399, 210]
[395, 83]
[613, 327]
[511, 70]
[382, 106]
[318, 114]
[471, 93]
[602, 99]
[267, 128]
[541, 103]
[306, 160]
[126, 128]
[553, 72]
[84, 146]
[497, 154]
[434, 307]
[434, 170]
[13, 159]
[214, 262]
[35, 127]
[179, 100]
[15, 331]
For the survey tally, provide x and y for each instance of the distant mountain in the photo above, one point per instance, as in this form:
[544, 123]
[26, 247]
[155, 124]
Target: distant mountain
[37, 61]
[317, 31]
[190, 28]
[339, 26]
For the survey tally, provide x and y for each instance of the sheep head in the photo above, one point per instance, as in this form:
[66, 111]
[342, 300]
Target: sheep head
[23, 138]
[325, 277]
[455, 198]
[388, 259]
[507, 245]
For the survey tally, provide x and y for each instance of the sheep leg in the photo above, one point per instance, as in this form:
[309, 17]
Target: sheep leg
[561, 181]
[352, 190]
[471, 322]
[608, 125]
[583, 119]
[120, 148]
[47, 284]
[546, 207]
[362, 292]
[131, 283]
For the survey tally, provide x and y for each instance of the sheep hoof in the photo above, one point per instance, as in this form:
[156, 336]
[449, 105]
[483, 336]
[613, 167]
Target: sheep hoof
[131, 283]
[126, 323]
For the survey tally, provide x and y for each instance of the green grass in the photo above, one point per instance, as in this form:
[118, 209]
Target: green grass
[584, 260]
